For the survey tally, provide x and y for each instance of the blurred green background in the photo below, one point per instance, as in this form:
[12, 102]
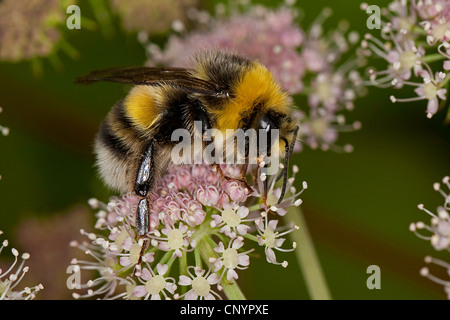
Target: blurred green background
[358, 206]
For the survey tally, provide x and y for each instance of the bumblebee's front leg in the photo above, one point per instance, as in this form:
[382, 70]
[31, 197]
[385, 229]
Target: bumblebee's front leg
[143, 184]
[241, 180]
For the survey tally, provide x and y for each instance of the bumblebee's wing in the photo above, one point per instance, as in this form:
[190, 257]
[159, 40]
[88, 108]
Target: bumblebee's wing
[178, 77]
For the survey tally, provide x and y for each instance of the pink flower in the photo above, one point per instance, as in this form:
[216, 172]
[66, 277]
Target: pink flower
[193, 214]
[431, 91]
[208, 196]
[236, 191]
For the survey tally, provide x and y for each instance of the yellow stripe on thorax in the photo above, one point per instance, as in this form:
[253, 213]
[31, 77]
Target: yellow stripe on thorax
[141, 107]
[256, 85]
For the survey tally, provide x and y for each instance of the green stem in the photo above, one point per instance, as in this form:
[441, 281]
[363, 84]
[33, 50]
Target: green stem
[183, 263]
[447, 117]
[183, 268]
[166, 257]
[433, 57]
[103, 15]
[231, 289]
[444, 82]
[307, 257]
[69, 49]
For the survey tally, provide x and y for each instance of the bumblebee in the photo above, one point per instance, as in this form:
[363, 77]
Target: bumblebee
[222, 91]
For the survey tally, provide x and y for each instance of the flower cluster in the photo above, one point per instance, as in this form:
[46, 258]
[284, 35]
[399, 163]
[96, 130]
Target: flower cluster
[10, 279]
[32, 30]
[437, 232]
[206, 224]
[332, 83]
[309, 63]
[414, 44]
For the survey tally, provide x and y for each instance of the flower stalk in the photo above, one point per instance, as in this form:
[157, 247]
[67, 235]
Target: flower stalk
[307, 257]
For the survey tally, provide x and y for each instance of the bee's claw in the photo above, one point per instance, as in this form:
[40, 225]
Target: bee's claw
[137, 269]
[240, 180]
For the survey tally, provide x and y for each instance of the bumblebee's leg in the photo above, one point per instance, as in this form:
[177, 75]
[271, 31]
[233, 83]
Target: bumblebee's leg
[143, 184]
[244, 170]
[247, 160]
[242, 180]
[265, 186]
[202, 116]
[288, 152]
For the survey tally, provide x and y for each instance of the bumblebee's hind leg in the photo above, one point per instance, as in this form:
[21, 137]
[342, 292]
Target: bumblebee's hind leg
[145, 180]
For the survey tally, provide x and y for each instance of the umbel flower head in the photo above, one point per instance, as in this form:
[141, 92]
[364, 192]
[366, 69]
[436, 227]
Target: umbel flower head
[203, 231]
[415, 46]
[13, 275]
[437, 232]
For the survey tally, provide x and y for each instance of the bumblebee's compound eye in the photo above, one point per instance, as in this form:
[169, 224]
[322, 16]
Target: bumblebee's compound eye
[266, 130]
[265, 123]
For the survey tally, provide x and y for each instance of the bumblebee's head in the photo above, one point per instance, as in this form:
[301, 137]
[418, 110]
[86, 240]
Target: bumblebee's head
[285, 126]
[251, 99]
[279, 145]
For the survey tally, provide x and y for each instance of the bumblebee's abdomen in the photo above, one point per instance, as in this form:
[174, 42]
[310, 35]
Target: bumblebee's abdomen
[117, 146]
[117, 132]
[147, 114]
[111, 140]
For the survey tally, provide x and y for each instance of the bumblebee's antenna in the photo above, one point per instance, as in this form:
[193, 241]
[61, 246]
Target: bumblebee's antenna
[288, 152]
[285, 170]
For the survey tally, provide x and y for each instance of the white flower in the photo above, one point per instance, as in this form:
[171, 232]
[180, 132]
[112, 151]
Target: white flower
[177, 239]
[155, 284]
[425, 272]
[271, 239]
[230, 221]
[230, 258]
[10, 279]
[201, 285]
[439, 227]
[431, 90]
[438, 233]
